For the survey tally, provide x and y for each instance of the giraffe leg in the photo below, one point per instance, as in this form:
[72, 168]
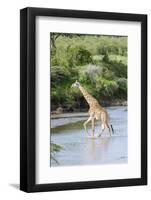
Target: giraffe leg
[108, 129]
[85, 123]
[103, 128]
[93, 127]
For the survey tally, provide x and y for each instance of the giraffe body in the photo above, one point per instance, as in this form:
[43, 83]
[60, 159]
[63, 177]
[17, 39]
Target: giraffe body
[96, 111]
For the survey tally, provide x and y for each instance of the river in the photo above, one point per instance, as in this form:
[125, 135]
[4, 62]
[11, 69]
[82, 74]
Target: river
[78, 149]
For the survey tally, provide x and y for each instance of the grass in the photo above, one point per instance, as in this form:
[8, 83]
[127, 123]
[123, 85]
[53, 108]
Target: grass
[54, 148]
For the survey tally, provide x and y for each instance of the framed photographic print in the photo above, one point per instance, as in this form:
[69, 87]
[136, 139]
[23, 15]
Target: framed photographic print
[83, 99]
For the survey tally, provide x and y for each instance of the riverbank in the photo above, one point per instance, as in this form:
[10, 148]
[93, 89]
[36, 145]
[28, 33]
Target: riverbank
[72, 109]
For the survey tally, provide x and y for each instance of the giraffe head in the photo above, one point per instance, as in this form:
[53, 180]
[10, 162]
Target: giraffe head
[76, 84]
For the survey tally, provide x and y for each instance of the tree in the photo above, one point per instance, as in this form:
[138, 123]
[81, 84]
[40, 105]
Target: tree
[54, 36]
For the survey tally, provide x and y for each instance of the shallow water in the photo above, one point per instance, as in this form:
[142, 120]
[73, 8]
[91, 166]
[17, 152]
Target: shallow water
[78, 149]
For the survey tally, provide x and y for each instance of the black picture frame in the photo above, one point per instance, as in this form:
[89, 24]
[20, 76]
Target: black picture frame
[28, 99]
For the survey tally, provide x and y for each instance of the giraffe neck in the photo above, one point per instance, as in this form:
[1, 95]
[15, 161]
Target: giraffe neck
[90, 99]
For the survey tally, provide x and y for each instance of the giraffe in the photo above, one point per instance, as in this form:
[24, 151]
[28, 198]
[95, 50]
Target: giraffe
[96, 111]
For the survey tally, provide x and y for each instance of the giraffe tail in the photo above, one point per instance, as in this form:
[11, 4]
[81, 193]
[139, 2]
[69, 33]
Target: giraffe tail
[112, 128]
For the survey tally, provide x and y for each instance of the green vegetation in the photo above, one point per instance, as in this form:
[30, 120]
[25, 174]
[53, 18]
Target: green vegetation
[54, 148]
[98, 62]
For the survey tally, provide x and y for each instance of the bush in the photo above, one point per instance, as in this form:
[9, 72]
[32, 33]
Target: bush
[78, 56]
[105, 87]
[122, 91]
[106, 57]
